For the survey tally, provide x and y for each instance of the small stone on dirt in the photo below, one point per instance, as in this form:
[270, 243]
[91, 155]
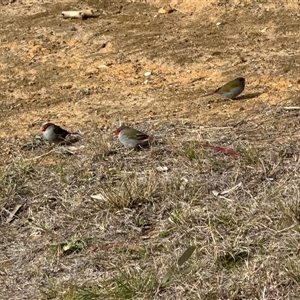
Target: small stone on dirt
[167, 9]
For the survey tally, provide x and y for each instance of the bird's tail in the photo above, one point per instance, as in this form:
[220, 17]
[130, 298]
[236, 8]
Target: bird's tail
[208, 94]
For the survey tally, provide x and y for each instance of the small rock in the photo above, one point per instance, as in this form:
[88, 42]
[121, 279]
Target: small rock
[264, 30]
[215, 193]
[162, 169]
[102, 67]
[167, 9]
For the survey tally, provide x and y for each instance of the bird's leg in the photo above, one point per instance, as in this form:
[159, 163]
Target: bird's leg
[51, 146]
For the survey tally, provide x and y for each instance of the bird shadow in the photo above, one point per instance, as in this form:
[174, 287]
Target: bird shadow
[248, 96]
[142, 147]
[243, 97]
[71, 139]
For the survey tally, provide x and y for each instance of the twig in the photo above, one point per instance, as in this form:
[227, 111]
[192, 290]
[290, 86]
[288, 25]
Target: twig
[291, 107]
[40, 156]
[12, 214]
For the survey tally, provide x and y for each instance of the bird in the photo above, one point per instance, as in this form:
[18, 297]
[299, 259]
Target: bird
[231, 89]
[132, 138]
[54, 134]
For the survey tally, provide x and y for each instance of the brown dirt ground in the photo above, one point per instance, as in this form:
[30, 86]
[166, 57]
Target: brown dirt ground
[76, 72]
[88, 75]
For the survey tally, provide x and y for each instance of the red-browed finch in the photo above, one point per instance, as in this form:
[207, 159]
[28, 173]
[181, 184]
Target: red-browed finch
[231, 89]
[54, 133]
[132, 138]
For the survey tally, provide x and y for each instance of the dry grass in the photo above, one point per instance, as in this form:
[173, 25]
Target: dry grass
[120, 245]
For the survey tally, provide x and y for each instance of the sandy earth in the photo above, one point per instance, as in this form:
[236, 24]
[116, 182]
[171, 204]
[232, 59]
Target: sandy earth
[79, 72]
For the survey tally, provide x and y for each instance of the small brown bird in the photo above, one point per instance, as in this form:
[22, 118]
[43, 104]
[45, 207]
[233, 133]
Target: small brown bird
[132, 138]
[54, 133]
[231, 89]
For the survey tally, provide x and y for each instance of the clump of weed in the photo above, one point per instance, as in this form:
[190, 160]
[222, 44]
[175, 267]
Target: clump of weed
[128, 191]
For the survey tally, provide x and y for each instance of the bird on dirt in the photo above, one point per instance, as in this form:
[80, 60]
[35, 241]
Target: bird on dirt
[231, 89]
[132, 138]
[54, 134]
